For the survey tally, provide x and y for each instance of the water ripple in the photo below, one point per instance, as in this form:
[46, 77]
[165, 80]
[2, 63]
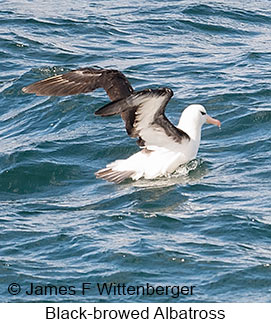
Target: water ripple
[208, 224]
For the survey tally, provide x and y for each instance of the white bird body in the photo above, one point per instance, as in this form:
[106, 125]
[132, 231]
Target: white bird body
[156, 161]
[149, 165]
[164, 147]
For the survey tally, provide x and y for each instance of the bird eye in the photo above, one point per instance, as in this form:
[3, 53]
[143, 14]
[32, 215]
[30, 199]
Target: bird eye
[203, 113]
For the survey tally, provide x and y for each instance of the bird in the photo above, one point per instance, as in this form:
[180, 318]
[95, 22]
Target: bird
[163, 146]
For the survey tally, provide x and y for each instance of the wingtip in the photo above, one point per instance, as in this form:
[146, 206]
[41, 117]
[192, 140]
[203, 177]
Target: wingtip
[28, 90]
[110, 109]
[25, 90]
[97, 113]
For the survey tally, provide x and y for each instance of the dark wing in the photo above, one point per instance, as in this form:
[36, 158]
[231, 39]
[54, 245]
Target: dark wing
[143, 114]
[83, 80]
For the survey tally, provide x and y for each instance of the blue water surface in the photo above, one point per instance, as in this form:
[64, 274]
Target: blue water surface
[209, 227]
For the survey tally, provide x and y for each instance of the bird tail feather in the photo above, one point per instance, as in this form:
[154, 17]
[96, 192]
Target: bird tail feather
[112, 175]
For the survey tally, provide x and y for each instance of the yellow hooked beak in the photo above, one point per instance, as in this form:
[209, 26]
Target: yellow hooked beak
[211, 120]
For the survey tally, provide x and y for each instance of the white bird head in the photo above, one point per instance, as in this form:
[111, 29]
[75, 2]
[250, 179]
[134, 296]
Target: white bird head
[192, 119]
[195, 114]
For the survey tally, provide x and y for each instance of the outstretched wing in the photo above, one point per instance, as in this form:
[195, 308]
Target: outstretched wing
[143, 114]
[83, 80]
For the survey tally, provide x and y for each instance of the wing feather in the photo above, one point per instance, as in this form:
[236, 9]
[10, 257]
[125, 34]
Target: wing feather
[83, 80]
[143, 114]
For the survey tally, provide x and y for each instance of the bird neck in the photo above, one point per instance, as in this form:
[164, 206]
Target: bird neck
[193, 130]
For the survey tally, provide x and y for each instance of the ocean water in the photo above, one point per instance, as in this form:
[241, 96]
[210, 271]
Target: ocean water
[208, 225]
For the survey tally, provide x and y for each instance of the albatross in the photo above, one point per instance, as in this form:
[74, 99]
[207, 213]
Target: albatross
[163, 146]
